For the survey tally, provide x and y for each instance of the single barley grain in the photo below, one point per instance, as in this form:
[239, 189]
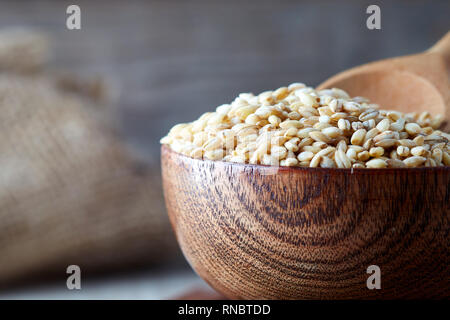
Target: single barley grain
[395, 163]
[327, 163]
[383, 125]
[412, 128]
[305, 156]
[403, 151]
[344, 124]
[358, 136]
[319, 136]
[414, 161]
[418, 151]
[376, 163]
[376, 152]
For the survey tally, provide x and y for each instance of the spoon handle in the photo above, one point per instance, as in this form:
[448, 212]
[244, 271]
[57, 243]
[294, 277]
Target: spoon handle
[443, 48]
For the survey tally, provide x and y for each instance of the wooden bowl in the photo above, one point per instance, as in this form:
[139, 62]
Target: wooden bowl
[259, 232]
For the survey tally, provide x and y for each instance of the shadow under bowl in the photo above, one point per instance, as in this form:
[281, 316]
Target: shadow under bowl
[260, 232]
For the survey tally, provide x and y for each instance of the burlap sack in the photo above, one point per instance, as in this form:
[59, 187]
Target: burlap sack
[69, 191]
[23, 50]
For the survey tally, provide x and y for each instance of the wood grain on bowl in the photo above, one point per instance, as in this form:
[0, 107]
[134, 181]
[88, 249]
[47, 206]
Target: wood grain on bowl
[305, 233]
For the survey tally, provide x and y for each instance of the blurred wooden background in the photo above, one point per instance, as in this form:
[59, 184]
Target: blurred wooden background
[175, 59]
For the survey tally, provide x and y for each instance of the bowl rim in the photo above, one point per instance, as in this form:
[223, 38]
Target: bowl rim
[261, 167]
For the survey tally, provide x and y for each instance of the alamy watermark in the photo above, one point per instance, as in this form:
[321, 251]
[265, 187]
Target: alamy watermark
[374, 20]
[73, 21]
[73, 281]
[374, 281]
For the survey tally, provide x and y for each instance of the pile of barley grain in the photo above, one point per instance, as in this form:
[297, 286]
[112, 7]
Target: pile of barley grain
[299, 126]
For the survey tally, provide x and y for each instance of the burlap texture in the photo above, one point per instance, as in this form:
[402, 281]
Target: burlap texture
[69, 191]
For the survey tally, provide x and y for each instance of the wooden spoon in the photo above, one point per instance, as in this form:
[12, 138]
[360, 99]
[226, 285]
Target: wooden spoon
[417, 82]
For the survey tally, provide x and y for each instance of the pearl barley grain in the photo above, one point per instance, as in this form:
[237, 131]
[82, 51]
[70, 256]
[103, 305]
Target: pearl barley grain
[299, 126]
[358, 136]
[376, 163]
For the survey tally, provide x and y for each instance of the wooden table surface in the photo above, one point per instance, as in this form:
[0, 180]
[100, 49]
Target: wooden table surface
[162, 283]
